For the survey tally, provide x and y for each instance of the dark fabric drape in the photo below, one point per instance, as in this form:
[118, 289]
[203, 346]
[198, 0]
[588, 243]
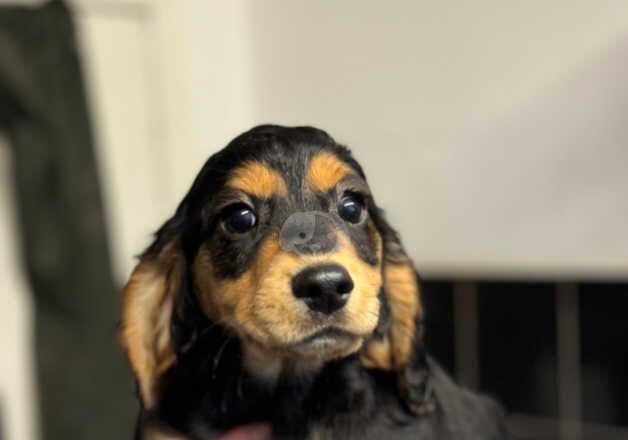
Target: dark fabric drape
[84, 388]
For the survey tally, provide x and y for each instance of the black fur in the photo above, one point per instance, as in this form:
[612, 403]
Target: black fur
[207, 390]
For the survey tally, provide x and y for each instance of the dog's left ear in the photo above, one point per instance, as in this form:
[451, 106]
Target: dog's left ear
[398, 343]
[149, 301]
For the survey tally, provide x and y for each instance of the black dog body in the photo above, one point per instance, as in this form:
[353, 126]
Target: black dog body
[209, 392]
[204, 397]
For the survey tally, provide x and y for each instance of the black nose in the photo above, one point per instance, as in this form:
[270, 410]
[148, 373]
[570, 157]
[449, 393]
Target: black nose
[324, 288]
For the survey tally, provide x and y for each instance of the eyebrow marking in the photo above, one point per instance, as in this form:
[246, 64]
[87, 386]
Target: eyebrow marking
[326, 170]
[257, 179]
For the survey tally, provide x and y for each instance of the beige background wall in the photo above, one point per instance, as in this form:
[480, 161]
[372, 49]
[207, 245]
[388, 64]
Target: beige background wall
[494, 133]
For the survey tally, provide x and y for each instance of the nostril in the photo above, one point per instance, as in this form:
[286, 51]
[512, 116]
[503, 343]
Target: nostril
[345, 286]
[311, 291]
[324, 288]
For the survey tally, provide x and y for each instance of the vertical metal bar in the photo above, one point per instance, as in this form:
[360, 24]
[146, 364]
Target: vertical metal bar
[568, 361]
[466, 332]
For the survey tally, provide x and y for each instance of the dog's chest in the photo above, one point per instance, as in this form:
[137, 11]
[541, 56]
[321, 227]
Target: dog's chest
[339, 398]
[319, 433]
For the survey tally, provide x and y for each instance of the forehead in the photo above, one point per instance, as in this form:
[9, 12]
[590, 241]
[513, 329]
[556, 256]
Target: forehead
[274, 160]
[293, 163]
[317, 171]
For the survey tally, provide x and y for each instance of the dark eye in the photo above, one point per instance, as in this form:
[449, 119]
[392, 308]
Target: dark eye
[239, 219]
[351, 207]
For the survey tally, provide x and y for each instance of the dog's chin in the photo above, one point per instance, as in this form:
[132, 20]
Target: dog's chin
[325, 345]
[304, 355]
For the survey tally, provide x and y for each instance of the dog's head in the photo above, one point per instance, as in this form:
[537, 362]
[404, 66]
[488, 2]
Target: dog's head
[280, 242]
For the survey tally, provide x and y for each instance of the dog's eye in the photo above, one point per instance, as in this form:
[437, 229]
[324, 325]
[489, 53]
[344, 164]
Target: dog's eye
[351, 207]
[239, 219]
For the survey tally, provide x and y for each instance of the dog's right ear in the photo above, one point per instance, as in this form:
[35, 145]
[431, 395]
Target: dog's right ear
[149, 300]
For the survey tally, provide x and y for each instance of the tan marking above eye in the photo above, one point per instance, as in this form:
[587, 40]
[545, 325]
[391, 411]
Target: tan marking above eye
[257, 179]
[326, 170]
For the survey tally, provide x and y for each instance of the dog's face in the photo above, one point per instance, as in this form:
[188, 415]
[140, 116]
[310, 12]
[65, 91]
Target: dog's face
[292, 259]
[284, 246]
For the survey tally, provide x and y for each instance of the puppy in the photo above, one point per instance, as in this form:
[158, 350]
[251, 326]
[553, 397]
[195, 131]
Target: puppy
[278, 293]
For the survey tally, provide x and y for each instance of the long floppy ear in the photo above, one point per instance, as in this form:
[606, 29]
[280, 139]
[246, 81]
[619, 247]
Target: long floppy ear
[149, 300]
[398, 344]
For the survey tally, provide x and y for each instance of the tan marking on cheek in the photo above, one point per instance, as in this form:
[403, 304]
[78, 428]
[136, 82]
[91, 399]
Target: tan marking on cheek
[233, 301]
[402, 290]
[204, 284]
[260, 306]
[219, 299]
[267, 252]
[251, 314]
[363, 306]
[257, 179]
[275, 306]
[325, 171]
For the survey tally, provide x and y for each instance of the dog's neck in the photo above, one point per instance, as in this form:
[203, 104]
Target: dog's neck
[218, 382]
[261, 363]
[267, 365]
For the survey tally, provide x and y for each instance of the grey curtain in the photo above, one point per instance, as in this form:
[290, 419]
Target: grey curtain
[84, 388]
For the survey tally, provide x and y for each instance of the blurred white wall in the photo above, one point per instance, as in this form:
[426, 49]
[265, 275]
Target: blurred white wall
[493, 132]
